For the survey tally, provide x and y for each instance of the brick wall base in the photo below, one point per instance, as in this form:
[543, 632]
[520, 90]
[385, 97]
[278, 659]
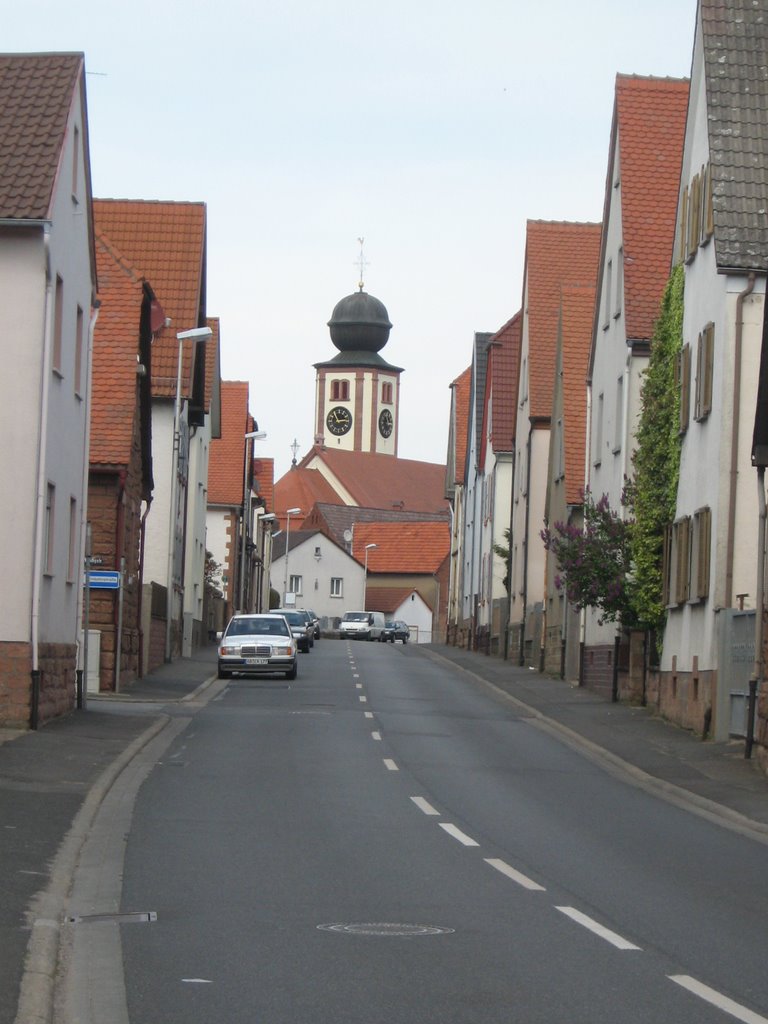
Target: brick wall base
[686, 699]
[58, 663]
[15, 684]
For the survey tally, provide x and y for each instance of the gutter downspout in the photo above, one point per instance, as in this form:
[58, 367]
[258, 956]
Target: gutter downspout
[42, 439]
[509, 551]
[733, 475]
[521, 658]
[758, 670]
[82, 690]
[140, 597]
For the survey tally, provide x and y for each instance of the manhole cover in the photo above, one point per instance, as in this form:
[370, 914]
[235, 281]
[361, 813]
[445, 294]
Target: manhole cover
[386, 928]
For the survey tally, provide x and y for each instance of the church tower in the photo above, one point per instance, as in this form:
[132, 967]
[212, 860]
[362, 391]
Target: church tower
[357, 393]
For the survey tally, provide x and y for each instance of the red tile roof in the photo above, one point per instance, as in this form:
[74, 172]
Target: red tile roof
[578, 305]
[557, 253]
[502, 371]
[165, 241]
[36, 92]
[302, 488]
[382, 481]
[461, 394]
[388, 599]
[403, 547]
[226, 466]
[649, 116]
[264, 481]
[114, 395]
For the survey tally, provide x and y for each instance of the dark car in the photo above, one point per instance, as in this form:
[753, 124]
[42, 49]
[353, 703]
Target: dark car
[309, 619]
[300, 628]
[396, 630]
[315, 622]
[256, 645]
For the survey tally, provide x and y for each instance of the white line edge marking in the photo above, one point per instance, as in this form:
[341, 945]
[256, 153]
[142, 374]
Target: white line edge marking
[462, 837]
[425, 806]
[376, 735]
[391, 765]
[598, 929]
[722, 1002]
[515, 876]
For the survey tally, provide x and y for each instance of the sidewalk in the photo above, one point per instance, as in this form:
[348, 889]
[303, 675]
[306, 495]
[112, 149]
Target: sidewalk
[713, 776]
[46, 777]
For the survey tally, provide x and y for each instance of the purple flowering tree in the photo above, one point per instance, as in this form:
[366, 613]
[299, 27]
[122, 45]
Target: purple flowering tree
[594, 563]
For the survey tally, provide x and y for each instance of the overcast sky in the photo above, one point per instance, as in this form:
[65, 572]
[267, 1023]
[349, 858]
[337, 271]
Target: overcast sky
[431, 129]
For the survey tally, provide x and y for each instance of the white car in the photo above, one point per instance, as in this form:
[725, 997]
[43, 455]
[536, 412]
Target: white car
[257, 645]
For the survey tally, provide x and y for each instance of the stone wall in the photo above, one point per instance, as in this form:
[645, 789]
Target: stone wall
[15, 684]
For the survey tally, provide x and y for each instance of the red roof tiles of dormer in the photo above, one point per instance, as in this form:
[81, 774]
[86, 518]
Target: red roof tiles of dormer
[402, 547]
[226, 465]
[649, 116]
[578, 304]
[165, 241]
[557, 253]
[115, 350]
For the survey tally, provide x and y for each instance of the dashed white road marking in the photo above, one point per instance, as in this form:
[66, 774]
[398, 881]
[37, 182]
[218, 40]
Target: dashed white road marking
[516, 876]
[462, 837]
[390, 764]
[425, 806]
[369, 714]
[356, 675]
[597, 929]
[363, 700]
[358, 686]
[376, 736]
[709, 995]
[197, 981]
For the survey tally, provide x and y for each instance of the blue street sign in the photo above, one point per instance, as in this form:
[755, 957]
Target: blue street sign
[103, 579]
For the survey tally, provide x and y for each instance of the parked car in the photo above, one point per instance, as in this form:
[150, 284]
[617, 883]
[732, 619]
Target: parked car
[315, 621]
[307, 616]
[397, 630]
[257, 645]
[362, 626]
[300, 627]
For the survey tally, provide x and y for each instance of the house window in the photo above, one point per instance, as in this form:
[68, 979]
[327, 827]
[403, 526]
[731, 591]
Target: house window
[386, 392]
[79, 342]
[598, 453]
[618, 426]
[704, 370]
[58, 324]
[683, 224]
[337, 586]
[608, 295]
[295, 584]
[683, 382]
[50, 512]
[559, 453]
[72, 558]
[75, 162]
[339, 390]
[694, 215]
[701, 549]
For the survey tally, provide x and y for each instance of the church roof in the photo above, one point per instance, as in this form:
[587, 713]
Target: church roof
[335, 520]
[373, 480]
[302, 488]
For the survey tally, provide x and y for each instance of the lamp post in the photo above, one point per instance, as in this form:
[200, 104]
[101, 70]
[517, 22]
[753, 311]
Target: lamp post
[195, 334]
[253, 435]
[368, 547]
[289, 512]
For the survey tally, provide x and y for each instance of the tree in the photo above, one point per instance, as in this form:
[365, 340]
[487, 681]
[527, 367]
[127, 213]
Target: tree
[595, 562]
[504, 555]
[212, 576]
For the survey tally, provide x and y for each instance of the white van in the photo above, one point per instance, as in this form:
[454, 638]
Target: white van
[362, 626]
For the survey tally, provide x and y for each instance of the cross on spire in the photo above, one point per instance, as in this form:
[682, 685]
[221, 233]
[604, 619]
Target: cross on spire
[362, 263]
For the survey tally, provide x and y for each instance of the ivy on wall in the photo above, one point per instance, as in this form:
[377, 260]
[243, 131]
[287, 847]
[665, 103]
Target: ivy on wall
[651, 495]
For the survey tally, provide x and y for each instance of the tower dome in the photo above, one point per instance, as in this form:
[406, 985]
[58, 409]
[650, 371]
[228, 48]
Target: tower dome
[359, 323]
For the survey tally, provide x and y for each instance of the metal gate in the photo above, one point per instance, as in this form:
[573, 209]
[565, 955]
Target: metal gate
[737, 656]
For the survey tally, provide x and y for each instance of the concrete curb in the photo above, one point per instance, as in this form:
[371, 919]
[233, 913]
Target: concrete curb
[36, 993]
[678, 795]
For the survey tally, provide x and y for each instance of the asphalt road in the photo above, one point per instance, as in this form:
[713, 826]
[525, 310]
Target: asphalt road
[385, 840]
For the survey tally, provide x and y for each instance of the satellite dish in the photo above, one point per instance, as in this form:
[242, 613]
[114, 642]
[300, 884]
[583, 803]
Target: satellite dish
[348, 536]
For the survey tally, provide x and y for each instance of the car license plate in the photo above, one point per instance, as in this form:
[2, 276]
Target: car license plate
[256, 661]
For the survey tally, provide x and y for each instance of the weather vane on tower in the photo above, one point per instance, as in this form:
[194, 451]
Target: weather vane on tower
[362, 263]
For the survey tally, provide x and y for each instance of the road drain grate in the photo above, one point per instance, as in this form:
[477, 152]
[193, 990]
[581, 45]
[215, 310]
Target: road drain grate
[140, 918]
[385, 928]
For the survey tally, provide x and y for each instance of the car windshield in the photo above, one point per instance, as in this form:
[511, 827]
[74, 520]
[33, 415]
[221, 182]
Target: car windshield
[294, 618]
[356, 617]
[257, 627]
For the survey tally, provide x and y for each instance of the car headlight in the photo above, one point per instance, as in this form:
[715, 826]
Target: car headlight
[284, 650]
[228, 649]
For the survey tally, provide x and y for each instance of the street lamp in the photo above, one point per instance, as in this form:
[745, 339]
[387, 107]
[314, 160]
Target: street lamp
[368, 547]
[252, 435]
[195, 334]
[289, 512]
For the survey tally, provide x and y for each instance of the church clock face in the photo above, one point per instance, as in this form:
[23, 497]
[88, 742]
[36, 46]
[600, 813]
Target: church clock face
[339, 420]
[385, 423]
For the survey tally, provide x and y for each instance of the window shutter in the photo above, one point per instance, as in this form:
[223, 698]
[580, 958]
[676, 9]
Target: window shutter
[666, 566]
[703, 551]
[685, 387]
